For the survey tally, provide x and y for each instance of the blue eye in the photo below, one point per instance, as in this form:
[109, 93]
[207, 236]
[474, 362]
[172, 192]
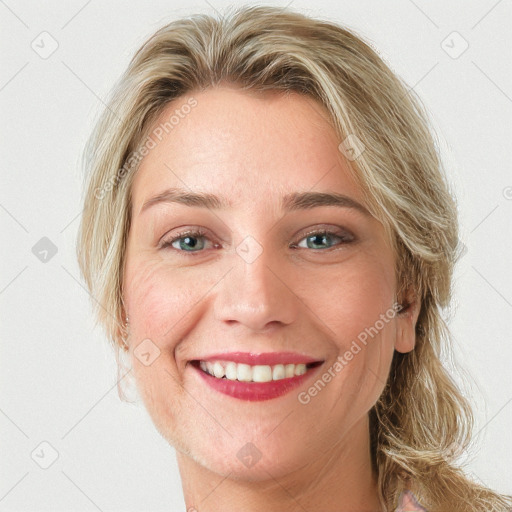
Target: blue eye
[186, 241]
[195, 241]
[319, 238]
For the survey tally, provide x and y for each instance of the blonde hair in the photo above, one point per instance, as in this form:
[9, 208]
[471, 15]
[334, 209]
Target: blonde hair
[421, 415]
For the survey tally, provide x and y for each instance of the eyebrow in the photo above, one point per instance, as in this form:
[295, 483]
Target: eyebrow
[291, 202]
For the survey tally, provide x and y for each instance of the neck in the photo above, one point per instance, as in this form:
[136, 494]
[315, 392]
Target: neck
[338, 480]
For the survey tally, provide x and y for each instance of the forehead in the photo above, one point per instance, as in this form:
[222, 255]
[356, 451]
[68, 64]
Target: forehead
[248, 145]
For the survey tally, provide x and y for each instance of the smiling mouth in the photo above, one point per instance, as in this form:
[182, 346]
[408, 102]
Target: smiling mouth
[240, 372]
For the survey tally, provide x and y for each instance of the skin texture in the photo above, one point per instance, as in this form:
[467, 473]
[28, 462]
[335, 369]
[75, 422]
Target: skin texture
[254, 148]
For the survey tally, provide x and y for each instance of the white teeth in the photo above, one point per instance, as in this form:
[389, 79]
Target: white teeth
[244, 372]
[218, 370]
[278, 372]
[300, 369]
[247, 373]
[261, 373]
[289, 370]
[231, 371]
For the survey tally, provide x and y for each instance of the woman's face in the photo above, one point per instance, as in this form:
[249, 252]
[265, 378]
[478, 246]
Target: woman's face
[261, 277]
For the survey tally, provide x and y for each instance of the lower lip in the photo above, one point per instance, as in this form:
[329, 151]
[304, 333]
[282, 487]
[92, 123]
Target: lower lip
[255, 391]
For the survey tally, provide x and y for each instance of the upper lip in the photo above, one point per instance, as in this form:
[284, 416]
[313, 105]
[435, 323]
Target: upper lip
[266, 358]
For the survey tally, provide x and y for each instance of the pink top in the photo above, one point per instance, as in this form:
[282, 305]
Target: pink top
[407, 502]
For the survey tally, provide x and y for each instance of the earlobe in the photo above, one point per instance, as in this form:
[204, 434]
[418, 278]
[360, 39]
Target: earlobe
[406, 324]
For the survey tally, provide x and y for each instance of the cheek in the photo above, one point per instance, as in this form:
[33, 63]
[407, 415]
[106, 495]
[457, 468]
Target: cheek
[158, 304]
[360, 371]
[159, 298]
[355, 302]
[350, 298]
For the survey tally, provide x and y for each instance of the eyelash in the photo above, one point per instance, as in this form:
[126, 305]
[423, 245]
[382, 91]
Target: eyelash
[193, 233]
[196, 233]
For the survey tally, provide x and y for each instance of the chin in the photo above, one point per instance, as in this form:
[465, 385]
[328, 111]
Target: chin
[248, 455]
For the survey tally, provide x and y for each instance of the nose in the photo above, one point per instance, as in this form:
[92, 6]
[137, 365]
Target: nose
[257, 294]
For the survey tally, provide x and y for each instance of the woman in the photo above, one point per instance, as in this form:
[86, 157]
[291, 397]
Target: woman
[270, 240]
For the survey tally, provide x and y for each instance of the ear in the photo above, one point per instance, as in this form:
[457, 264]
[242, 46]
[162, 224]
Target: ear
[406, 322]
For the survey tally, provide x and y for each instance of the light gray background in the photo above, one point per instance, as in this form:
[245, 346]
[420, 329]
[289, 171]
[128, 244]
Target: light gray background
[57, 372]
